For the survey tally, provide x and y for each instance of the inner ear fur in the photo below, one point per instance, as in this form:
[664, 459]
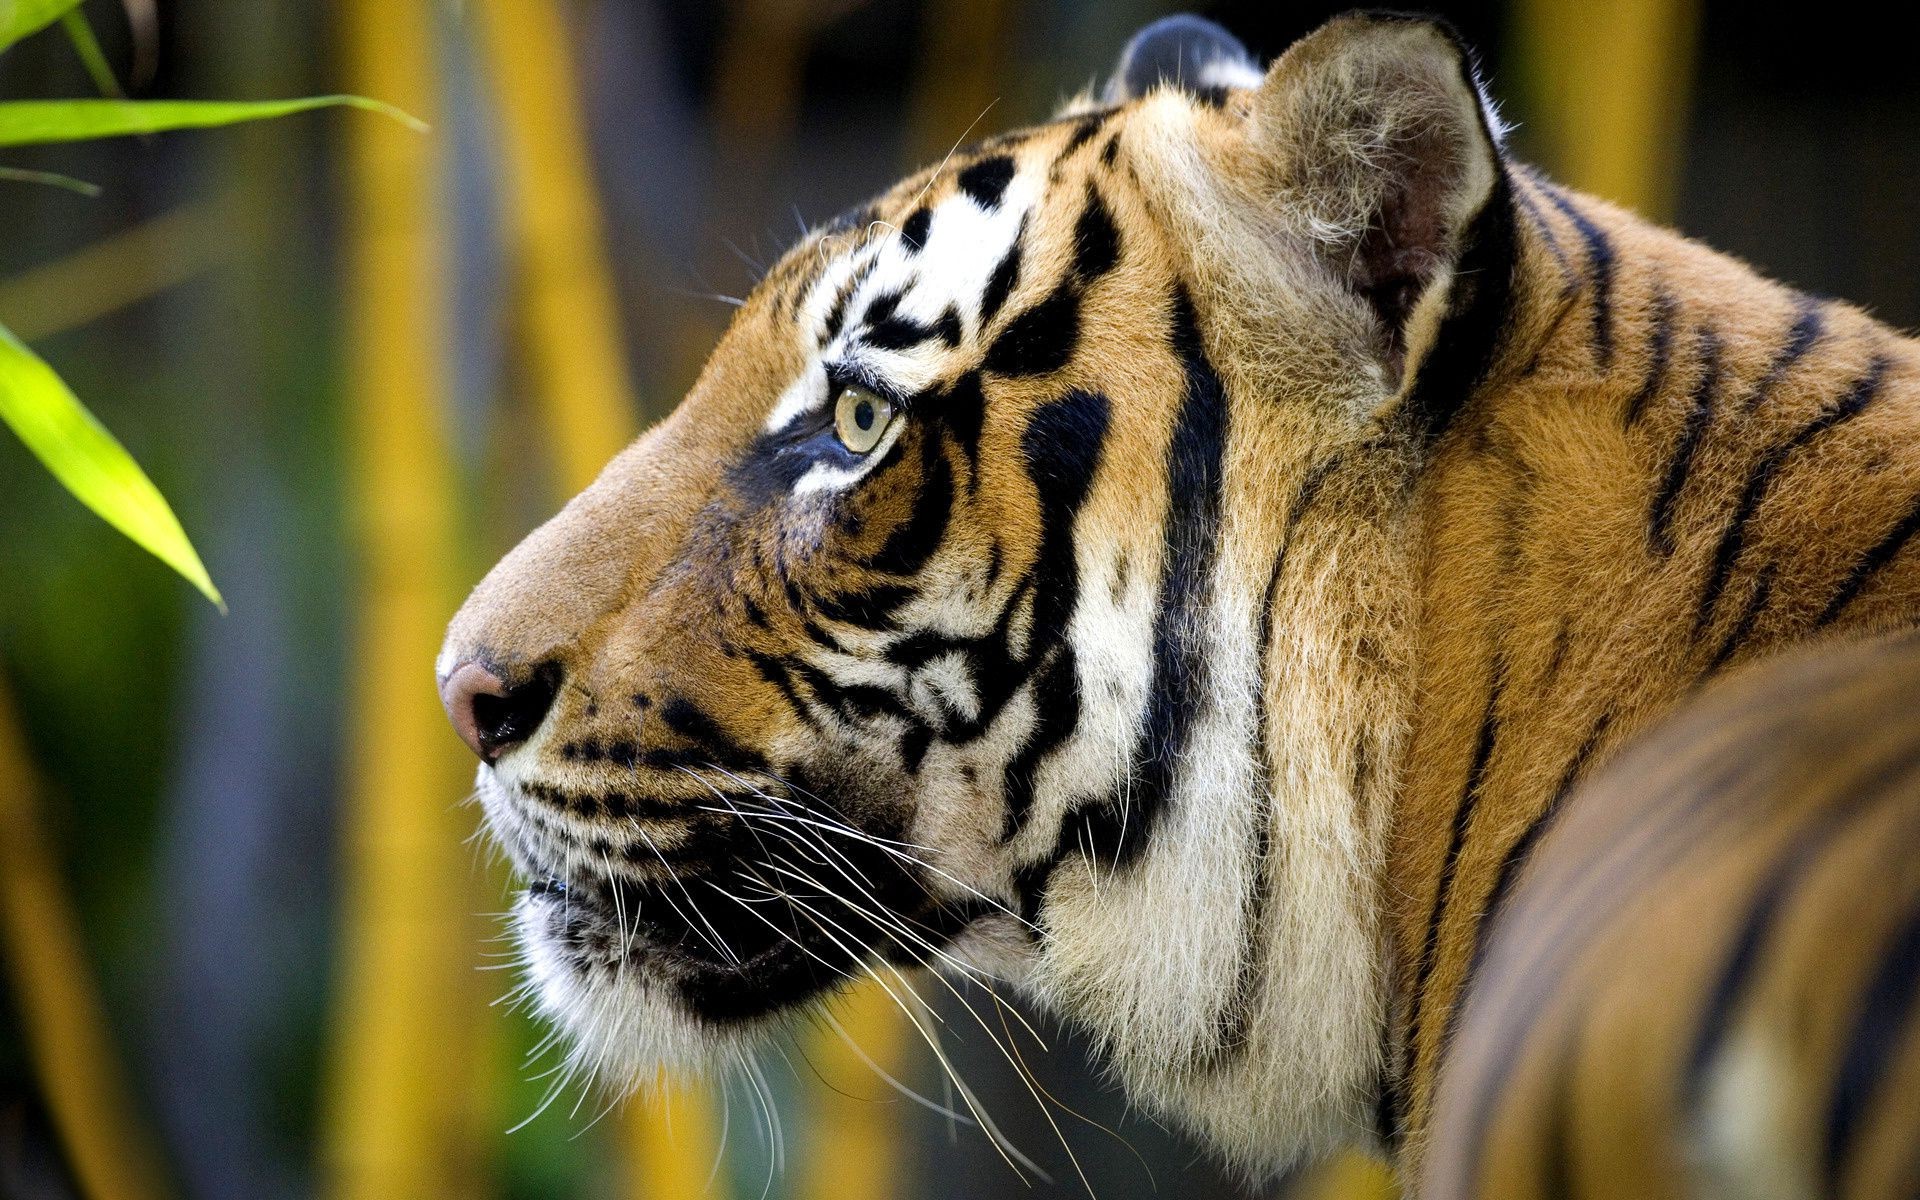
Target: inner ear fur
[1381, 153]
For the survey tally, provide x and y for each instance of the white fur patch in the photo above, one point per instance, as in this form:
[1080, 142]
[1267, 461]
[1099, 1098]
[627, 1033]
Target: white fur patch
[1744, 1135]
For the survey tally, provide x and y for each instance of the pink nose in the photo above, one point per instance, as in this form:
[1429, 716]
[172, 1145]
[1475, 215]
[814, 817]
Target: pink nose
[490, 716]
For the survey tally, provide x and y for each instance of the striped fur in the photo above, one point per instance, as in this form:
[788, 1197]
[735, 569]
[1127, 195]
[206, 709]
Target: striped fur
[1292, 500]
[1708, 983]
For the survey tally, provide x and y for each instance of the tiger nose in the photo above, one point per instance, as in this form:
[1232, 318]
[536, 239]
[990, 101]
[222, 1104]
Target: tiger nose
[490, 716]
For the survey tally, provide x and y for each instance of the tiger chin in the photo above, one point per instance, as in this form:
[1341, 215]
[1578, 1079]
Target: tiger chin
[1174, 559]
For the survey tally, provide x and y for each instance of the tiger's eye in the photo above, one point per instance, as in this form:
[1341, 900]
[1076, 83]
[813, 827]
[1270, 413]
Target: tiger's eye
[861, 418]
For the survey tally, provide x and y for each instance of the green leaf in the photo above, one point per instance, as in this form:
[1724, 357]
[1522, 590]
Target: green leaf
[33, 122]
[18, 18]
[84, 457]
[21, 175]
[94, 59]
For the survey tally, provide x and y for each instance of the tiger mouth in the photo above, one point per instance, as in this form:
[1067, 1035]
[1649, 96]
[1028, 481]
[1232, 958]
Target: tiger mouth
[745, 936]
[684, 926]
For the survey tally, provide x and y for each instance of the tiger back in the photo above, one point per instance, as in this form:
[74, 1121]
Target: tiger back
[1704, 984]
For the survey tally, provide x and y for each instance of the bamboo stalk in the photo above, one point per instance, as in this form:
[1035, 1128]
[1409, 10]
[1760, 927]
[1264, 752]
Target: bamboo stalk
[1349, 1175]
[675, 1144]
[569, 313]
[398, 1121]
[852, 1148]
[111, 1153]
[1607, 87]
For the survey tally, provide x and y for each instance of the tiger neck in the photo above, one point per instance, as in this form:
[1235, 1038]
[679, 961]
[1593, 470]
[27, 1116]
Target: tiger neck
[1646, 489]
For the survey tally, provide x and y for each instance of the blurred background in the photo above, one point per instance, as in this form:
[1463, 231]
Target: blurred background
[245, 930]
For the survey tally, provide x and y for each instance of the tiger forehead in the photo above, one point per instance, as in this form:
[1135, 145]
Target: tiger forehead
[1016, 173]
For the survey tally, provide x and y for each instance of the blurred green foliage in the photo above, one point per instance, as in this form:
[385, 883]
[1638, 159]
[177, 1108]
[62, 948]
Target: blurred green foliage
[55, 426]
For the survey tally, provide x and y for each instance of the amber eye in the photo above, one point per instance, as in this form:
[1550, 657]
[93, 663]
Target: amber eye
[860, 418]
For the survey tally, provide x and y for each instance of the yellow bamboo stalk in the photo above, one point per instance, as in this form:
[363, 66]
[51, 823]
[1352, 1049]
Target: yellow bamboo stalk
[1347, 1176]
[398, 1121]
[852, 1149]
[675, 1143]
[1607, 85]
[110, 1151]
[570, 322]
[570, 317]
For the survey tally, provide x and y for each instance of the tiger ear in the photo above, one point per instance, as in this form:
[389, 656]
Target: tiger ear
[1185, 52]
[1385, 154]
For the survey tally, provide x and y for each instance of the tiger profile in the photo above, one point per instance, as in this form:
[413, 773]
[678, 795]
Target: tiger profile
[1182, 560]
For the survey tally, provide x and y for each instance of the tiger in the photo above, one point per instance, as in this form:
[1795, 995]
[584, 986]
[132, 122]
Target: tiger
[1175, 561]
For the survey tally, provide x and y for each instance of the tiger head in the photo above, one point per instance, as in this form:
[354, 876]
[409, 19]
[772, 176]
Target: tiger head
[934, 628]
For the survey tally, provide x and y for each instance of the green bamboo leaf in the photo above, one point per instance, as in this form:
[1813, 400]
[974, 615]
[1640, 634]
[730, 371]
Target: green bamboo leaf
[33, 122]
[18, 18]
[21, 175]
[91, 464]
[91, 56]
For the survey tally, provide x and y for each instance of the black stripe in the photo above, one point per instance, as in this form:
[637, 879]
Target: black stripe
[884, 304]
[1443, 889]
[1511, 864]
[693, 724]
[1041, 338]
[853, 702]
[775, 672]
[1743, 628]
[914, 540]
[1303, 498]
[1096, 240]
[873, 608]
[1660, 515]
[1856, 798]
[898, 333]
[1471, 334]
[986, 181]
[1873, 1047]
[837, 315]
[1056, 713]
[1006, 273]
[1389, 1120]
[1760, 481]
[1538, 220]
[963, 409]
[1084, 131]
[1120, 826]
[1870, 564]
[1808, 325]
[913, 231]
[1062, 446]
[1659, 353]
[1600, 263]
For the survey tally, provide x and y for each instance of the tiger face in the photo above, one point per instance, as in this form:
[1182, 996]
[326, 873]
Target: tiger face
[930, 628]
